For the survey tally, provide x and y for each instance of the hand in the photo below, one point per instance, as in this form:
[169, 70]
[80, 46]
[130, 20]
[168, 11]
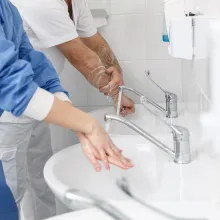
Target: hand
[116, 80]
[127, 105]
[97, 145]
[93, 156]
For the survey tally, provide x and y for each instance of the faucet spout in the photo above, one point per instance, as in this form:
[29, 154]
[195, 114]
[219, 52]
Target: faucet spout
[181, 153]
[143, 98]
[171, 102]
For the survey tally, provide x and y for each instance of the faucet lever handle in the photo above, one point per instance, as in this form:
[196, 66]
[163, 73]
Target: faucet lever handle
[180, 132]
[168, 95]
[147, 73]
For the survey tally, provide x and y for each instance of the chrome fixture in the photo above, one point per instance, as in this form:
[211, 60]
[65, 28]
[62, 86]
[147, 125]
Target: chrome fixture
[123, 185]
[181, 153]
[77, 199]
[171, 110]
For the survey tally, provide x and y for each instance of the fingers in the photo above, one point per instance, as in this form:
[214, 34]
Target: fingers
[106, 151]
[91, 157]
[92, 154]
[117, 163]
[105, 89]
[104, 158]
[127, 106]
[115, 153]
[111, 70]
[114, 148]
[89, 152]
[127, 110]
[112, 88]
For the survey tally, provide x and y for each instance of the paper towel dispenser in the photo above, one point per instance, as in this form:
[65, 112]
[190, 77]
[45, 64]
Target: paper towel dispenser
[100, 10]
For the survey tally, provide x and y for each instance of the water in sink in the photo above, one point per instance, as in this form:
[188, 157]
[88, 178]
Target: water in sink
[107, 126]
[119, 102]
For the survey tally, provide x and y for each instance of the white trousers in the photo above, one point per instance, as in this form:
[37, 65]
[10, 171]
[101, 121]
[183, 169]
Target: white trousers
[25, 147]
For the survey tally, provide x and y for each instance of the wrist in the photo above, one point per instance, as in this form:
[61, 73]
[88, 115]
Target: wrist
[62, 96]
[92, 126]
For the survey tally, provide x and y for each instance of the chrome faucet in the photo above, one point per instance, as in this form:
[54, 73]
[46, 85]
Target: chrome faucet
[77, 199]
[181, 153]
[171, 110]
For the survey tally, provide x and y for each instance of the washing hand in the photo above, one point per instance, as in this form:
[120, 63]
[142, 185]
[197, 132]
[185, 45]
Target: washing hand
[98, 146]
[127, 105]
[116, 78]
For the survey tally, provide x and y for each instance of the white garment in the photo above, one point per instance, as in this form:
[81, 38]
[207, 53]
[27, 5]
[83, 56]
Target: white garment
[25, 147]
[48, 24]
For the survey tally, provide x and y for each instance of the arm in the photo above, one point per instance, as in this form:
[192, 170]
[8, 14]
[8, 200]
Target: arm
[19, 94]
[16, 78]
[90, 65]
[86, 61]
[45, 74]
[99, 45]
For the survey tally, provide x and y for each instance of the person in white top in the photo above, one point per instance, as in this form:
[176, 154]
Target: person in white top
[66, 29]
[59, 29]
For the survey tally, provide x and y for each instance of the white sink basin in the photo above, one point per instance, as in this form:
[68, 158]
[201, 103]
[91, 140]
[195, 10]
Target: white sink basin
[155, 178]
[70, 169]
[137, 212]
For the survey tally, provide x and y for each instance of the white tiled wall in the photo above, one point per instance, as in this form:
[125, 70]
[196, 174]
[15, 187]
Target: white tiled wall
[195, 78]
[195, 86]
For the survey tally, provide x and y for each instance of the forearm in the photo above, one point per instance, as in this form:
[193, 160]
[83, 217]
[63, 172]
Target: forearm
[65, 115]
[99, 45]
[86, 61]
[107, 56]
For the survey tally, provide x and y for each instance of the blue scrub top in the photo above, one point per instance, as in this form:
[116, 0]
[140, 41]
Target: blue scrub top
[22, 69]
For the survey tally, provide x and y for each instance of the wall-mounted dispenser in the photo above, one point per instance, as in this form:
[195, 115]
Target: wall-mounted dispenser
[187, 28]
[100, 10]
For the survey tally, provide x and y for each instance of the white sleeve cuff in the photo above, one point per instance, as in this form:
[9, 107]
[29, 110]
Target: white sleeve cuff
[62, 96]
[40, 105]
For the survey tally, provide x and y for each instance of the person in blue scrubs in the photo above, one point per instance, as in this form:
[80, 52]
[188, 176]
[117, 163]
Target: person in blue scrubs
[30, 97]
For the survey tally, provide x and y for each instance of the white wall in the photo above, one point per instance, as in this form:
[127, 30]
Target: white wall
[195, 81]
[195, 84]
[135, 34]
